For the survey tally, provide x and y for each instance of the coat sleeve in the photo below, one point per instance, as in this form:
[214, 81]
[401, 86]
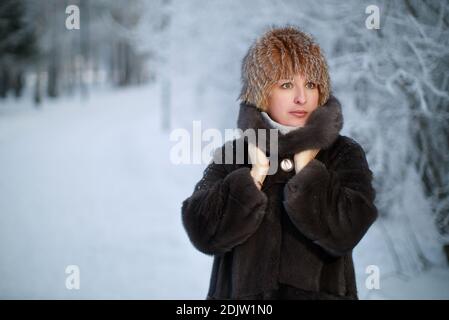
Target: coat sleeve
[333, 208]
[224, 210]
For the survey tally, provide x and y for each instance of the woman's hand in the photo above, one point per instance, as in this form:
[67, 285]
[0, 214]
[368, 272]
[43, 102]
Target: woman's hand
[260, 164]
[303, 158]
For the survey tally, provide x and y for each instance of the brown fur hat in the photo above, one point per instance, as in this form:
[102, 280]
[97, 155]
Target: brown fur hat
[280, 54]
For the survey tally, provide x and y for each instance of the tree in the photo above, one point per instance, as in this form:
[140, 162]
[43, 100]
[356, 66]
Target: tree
[17, 46]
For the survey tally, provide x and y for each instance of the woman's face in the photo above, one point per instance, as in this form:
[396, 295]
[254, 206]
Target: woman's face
[291, 101]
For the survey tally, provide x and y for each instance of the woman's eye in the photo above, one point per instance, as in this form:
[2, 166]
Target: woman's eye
[310, 85]
[287, 85]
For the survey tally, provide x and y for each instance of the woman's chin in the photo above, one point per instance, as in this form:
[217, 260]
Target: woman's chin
[295, 122]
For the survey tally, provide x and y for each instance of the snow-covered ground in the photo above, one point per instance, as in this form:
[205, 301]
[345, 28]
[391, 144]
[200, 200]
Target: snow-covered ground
[90, 183]
[432, 284]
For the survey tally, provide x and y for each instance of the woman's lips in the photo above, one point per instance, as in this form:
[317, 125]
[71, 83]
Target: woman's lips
[299, 114]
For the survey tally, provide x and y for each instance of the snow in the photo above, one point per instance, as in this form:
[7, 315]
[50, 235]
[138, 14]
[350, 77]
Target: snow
[90, 184]
[430, 285]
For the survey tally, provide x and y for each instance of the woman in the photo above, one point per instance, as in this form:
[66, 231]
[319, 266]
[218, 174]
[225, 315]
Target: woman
[287, 235]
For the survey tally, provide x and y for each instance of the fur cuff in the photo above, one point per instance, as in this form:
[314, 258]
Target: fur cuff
[243, 188]
[313, 173]
[303, 197]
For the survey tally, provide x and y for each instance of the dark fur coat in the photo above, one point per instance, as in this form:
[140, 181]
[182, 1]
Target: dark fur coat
[297, 234]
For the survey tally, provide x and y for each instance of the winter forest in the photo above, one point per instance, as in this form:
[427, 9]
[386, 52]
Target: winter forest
[86, 115]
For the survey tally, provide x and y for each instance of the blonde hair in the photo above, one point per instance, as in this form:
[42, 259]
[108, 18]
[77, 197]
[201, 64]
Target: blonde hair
[282, 53]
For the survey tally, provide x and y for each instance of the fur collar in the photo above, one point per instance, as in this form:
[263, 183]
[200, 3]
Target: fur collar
[321, 130]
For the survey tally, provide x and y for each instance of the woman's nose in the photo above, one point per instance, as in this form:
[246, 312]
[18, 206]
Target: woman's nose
[300, 96]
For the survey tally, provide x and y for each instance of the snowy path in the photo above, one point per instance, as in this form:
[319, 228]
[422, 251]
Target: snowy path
[90, 184]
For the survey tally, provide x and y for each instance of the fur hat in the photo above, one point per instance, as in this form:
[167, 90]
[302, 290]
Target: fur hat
[282, 53]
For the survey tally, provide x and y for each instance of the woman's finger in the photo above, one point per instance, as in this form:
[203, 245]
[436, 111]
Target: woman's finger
[257, 156]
